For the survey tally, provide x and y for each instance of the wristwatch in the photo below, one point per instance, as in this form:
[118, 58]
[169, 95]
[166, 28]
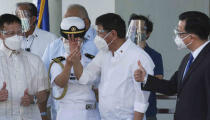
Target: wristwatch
[43, 113]
[34, 99]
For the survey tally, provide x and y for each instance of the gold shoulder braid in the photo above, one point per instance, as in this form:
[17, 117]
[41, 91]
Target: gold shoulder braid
[57, 60]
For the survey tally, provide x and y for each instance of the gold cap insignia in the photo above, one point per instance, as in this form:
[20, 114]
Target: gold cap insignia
[73, 29]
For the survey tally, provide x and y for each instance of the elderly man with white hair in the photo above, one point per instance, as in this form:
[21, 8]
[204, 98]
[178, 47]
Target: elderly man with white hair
[56, 48]
[76, 101]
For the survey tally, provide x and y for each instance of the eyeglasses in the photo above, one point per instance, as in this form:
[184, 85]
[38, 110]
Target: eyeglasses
[177, 32]
[100, 31]
[12, 33]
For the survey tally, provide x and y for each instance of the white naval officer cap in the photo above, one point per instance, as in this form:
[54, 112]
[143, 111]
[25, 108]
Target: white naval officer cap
[72, 25]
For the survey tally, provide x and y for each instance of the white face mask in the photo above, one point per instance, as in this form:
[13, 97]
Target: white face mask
[25, 24]
[14, 42]
[101, 43]
[180, 42]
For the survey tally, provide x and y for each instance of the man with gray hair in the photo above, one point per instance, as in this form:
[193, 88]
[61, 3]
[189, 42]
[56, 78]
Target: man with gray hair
[57, 48]
[35, 40]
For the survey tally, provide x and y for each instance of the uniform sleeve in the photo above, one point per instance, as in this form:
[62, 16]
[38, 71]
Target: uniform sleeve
[54, 37]
[141, 98]
[55, 70]
[42, 77]
[46, 57]
[92, 72]
[53, 50]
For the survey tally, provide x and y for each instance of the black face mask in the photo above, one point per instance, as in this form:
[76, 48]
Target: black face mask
[75, 31]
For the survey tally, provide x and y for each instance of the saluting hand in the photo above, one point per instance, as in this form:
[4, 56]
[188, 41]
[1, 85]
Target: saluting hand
[4, 93]
[140, 73]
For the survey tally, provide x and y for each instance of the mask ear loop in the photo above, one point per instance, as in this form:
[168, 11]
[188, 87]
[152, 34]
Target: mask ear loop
[188, 43]
[7, 46]
[110, 42]
[106, 37]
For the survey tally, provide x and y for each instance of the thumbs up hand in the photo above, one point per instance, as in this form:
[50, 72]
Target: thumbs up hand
[140, 73]
[4, 86]
[27, 99]
[26, 92]
[3, 93]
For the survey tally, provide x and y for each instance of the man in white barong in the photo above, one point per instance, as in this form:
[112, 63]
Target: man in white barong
[120, 96]
[22, 75]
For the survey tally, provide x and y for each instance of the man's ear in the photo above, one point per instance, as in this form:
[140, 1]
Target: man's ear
[193, 36]
[114, 34]
[87, 23]
[33, 20]
[148, 35]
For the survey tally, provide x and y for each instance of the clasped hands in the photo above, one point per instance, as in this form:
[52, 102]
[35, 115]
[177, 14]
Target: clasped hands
[74, 46]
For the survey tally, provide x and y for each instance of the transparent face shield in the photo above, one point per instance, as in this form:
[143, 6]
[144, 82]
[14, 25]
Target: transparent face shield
[24, 16]
[136, 31]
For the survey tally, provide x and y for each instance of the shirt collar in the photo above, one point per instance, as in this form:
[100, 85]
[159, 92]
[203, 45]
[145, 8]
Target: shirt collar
[146, 47]
[90, 34]
[123, 47]
[35, 33]
[198, 50]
